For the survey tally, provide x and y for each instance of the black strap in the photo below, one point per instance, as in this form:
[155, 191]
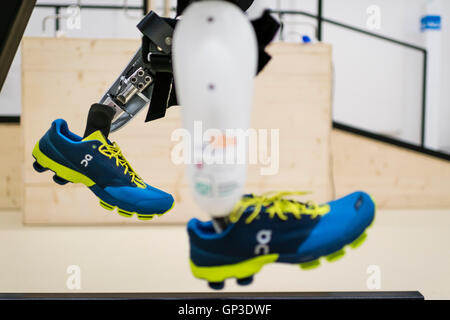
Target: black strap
[158, 30]
[157, 40]
[173, 101]
[164, 94]
[160, 96]
[181, 5]
[266, 27]
[243, 4]
[100, 117]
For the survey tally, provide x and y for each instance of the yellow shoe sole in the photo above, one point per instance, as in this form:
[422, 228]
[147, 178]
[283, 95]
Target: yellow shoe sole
[245, 270]
[70, 175]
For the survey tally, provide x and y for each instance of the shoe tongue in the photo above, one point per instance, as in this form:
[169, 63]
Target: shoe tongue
[96, 135]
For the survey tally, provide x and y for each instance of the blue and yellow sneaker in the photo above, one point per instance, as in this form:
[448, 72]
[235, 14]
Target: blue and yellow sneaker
[272, 228]
[101, 166]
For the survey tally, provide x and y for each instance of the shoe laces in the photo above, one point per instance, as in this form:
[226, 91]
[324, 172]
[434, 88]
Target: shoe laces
[113, 151]
[276, 204]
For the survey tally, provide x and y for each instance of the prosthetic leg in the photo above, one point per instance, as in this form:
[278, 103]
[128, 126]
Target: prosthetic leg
[218, 53]
[149, 68]
[215, 58]
[214, 69]
[148, 78]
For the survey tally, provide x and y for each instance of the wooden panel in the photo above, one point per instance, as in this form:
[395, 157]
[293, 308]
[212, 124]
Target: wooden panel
[150, 4]
[11, 180]
[292, 94]
[395, 177]
[62, 77]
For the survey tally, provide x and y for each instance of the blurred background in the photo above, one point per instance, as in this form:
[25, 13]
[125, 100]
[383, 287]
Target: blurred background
[364, 89]
[393, 87]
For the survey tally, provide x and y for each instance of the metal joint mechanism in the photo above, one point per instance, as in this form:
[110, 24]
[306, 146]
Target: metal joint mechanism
[137, 82]
[133, 89]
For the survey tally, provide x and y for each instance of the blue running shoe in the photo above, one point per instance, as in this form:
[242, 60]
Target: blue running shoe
[101, 166]
[273, 228]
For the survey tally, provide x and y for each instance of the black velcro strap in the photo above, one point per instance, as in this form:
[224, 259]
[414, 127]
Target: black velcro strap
[263, 60]
[100, 117]
[160, 96]
[266, 27]
[157, 30]
[173, 101]
[181, 5]
[164, 94]
[243, 4]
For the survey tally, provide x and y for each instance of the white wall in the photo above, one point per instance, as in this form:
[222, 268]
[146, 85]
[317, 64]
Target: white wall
[400, 92]
[378, 85]
[445, 84]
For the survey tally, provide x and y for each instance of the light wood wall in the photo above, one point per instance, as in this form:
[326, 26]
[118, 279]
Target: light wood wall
[62, 77]
[397, 178]
[11, 164]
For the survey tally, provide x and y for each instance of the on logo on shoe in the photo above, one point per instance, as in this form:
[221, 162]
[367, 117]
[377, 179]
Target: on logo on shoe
[86, 160]
[263, 237]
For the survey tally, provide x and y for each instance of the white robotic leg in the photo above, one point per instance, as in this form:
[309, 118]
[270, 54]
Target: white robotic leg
[215, 62]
